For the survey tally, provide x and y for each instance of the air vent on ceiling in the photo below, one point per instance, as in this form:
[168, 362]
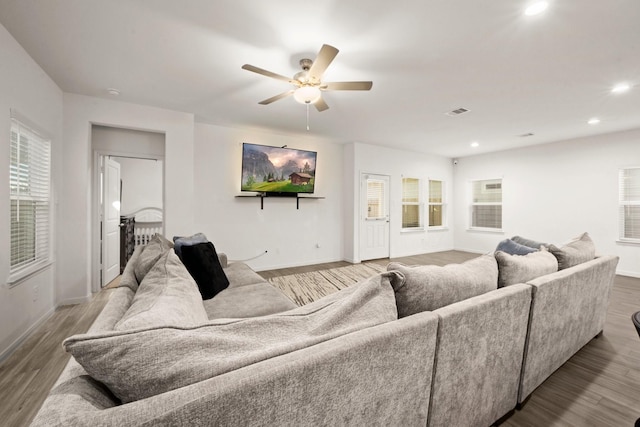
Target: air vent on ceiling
[457, 112]
[525, 135]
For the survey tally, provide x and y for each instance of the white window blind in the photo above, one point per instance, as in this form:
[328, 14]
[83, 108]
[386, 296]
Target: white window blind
[436, 204]
[375, 199]
[486, 204]
[29, 183]
[629, 191]
[411, 204]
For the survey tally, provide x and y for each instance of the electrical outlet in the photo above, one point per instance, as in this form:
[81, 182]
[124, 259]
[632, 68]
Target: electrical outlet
[36, 293]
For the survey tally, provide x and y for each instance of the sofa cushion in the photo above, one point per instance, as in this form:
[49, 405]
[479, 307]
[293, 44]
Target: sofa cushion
[514, 269]
[150, 254]
[140, 363]
[577, 251]
[203, 263]
[167, 296]
[258, 299]
[240, 274]
[429, 287]
[528, 242]
[180, 241]
[513, 248]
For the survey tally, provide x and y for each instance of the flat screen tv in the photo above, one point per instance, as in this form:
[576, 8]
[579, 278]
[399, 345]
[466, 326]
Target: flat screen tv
[277, 171]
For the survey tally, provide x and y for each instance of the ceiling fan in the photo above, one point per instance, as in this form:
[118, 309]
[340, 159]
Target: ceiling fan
[308, 82]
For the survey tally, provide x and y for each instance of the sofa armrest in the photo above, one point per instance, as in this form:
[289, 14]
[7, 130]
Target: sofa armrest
[376, 376]
[479, 357]
[569, 308]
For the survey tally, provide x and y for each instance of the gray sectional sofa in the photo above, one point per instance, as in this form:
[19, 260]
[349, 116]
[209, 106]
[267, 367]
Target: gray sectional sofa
[417, 345]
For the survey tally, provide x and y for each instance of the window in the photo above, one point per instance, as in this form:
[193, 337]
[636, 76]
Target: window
[411, 204]
[375, 199]
[486, 204]
[629, 190]
[436, 204]
[29, 181]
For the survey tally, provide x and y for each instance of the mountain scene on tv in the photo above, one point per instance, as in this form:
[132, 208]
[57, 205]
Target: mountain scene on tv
[277, 170]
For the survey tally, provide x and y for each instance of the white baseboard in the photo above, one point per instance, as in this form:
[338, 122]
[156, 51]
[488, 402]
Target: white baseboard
[15, 344]
[74, 301]
[634, 274]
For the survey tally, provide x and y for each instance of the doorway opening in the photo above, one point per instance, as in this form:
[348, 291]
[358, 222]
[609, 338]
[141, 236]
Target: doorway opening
[128, 187]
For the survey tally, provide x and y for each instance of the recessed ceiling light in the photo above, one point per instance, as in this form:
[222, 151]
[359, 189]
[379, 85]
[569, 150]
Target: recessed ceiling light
[475, 144]
[621, 87]
[594, 121]
[112, 91]
[536, 8]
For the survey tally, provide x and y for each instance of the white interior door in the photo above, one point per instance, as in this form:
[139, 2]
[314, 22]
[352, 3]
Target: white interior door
[374, 216]
[110, 221]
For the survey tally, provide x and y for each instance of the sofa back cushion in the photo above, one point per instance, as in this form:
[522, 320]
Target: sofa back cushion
[579, 250]
[150, 254]
[514, 269]
[144, 362]
[429, 287]
[167, 296]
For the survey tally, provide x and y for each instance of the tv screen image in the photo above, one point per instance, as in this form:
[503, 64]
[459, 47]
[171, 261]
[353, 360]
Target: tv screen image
[277, 170]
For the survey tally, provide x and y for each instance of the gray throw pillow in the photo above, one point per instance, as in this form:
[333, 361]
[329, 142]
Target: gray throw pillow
[141, 363]
[168, 296]
[579, 250]
[513, 248]
[528, 242]
[429, 287]
[514, 269]
[150, 254]
[180, 241]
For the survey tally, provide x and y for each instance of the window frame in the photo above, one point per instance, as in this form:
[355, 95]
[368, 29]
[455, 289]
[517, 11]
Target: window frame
[442, 204]
[623, 204]
[33, 175]
[473, 204]
[419, 203]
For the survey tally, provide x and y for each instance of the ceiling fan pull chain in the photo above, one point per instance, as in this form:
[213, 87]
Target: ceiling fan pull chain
[308, 116]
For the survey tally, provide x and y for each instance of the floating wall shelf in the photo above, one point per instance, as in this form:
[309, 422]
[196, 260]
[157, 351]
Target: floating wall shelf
[263, 196]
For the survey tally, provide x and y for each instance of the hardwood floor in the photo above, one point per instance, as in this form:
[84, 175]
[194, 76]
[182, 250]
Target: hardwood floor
[599, 386]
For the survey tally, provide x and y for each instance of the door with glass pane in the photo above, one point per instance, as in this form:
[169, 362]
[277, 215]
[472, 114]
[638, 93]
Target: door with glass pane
[374, 216]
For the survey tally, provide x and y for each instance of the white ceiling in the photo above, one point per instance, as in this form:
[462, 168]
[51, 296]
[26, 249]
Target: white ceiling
[545, 75]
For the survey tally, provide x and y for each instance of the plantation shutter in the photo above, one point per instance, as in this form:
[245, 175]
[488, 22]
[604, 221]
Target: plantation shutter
[436, 204]
[411, 209]
[486, 204]
[629, 191]
[29, 183]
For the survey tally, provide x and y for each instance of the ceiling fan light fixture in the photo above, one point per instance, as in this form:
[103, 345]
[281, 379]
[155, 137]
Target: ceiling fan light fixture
[306, 94]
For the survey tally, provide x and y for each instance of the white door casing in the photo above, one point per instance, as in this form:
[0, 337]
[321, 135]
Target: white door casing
[374, 216]
[111, 221]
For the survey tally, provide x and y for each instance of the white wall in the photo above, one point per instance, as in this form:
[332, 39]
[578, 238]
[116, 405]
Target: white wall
[554, 192]
[141, 184]
[76, 265]
[26, 88]
[365, 158]
[238, 227]
[142, 171]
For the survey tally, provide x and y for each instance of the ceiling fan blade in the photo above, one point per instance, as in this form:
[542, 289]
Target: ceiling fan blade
[321, 105]
[347, 86]
[267, 73]
[277, 97]
[321, 63]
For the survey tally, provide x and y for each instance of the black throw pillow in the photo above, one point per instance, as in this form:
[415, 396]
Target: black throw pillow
[204, 266]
